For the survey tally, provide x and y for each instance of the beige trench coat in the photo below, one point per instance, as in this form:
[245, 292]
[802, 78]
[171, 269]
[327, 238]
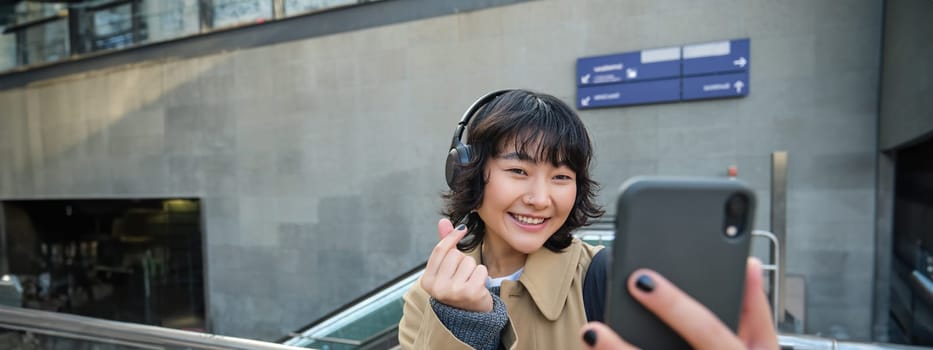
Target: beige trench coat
[545, 305]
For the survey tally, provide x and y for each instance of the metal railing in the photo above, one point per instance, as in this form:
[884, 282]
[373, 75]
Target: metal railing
[774, 268]
[120, 333]
[604, 235]
[806, 342]
[150, 337]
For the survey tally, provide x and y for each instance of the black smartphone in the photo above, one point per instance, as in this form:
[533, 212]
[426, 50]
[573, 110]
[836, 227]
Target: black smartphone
[696, 232]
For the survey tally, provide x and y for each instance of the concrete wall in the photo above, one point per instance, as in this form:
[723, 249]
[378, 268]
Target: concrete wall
[906, 109]
[319, 161]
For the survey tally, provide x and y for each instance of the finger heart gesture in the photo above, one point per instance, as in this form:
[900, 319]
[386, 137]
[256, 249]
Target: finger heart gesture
[454, 278]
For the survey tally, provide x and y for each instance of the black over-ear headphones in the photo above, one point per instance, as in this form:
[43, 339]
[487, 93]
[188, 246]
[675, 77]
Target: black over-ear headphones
[460, 154]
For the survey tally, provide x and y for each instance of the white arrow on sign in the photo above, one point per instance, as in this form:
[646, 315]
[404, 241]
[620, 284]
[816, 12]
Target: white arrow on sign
[585, 101]
[738, 86]
[585, 79]
[741, 62]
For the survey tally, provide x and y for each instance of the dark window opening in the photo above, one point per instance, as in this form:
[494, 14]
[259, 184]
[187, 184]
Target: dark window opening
[134, 261]
[911, 313]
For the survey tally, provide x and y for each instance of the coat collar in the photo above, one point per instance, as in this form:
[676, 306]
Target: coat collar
[548, 276]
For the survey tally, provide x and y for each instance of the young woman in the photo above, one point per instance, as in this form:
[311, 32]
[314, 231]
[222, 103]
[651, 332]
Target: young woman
[510, 275]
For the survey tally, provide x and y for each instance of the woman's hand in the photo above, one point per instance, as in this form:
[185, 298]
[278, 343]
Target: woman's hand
[694, 322]
[453, 278]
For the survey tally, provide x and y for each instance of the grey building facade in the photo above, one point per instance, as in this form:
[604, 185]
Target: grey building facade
[318, 161]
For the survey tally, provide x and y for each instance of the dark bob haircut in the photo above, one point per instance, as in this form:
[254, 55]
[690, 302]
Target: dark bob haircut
[531, 123]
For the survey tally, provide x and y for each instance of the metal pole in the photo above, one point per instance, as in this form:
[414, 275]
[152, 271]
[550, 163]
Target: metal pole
[779, 224]
[80, 327]
[136, 22]
[4, 257]
[74, 31]
[278, 9]
[22, 49]
[206, 15]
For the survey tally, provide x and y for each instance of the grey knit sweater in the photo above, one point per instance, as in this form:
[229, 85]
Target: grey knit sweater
[479, 330]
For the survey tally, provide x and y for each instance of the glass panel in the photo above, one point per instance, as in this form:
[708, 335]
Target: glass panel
[163, 20]
[45, 43]
[7, 51]
[118, 27]
[353, 327]
[367, 325]
[233, 12]
[27, 11]
[113, 27]
[293, 7]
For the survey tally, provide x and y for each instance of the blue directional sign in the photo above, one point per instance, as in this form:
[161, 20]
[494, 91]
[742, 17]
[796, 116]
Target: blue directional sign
[691, 72]
[715, 86]
[653, 91]
[630, 66]
[716, 57]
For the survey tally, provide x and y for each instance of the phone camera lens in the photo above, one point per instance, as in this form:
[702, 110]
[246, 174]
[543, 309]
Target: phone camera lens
[737, 205]
[736, 213]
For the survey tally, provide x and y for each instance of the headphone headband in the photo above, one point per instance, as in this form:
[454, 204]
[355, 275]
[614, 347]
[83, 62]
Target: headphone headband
[468, 114]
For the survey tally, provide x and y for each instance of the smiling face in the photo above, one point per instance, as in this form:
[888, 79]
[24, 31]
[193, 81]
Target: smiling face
[525, 201]
[528, 179]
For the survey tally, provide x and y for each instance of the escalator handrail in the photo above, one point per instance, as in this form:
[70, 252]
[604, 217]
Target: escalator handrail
[86, 328]
[922, 287]
[391, 330]
[342, 309]
[383, 295]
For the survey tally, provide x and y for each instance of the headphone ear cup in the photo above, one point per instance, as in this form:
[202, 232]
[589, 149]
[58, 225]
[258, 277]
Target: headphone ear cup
[457, 158]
